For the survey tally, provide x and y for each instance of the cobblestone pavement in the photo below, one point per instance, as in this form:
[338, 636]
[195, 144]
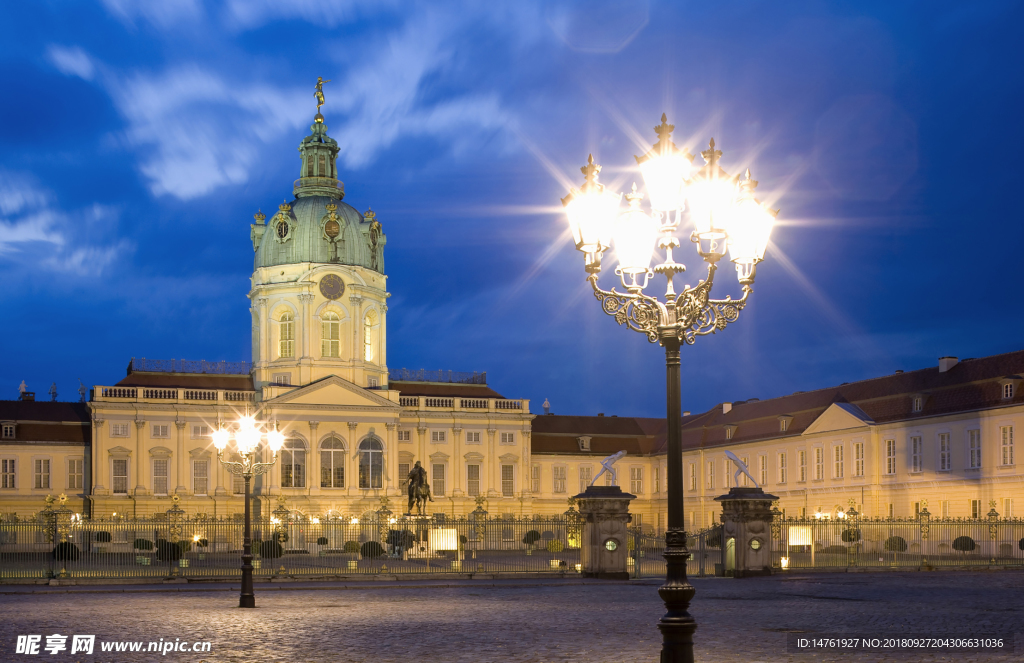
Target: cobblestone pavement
[740, 620]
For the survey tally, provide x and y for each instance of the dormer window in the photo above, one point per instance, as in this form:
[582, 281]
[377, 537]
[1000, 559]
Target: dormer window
[784, 423]
[730, 431]
[917, 403]
[584, 442]
[8, 431]
[1008, 391]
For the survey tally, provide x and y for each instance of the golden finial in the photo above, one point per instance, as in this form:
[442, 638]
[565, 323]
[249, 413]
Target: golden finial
[318, 94]
[634, 198]
[259, 216]
[369, 215]
[284, 207]
[711, 155]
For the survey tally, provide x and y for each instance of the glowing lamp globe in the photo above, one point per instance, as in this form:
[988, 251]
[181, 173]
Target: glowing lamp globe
[220, 439]
[247, 438]
[711, 205]
[591, 211]
[634, 237]
[750, 227]
[275, 440]
[665, 177]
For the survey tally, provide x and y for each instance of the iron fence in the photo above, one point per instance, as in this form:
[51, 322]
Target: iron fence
[894, 542]
[163, 547]
[646, 550]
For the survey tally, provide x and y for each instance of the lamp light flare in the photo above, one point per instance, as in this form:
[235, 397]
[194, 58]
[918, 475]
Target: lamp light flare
[220, 439]
[749, 229]
[712, 196]
[665, 169]
[591, 211]
[275, 440]
[634, 237]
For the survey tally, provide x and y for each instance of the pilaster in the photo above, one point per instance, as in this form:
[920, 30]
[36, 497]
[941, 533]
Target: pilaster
[140, 474]
[179, 459]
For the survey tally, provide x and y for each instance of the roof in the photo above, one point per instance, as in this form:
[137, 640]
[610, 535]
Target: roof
[188, 381]
[557, 434]
[458, 389]
[47, 421]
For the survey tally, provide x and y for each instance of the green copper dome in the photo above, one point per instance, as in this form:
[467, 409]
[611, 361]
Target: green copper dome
[317, 226]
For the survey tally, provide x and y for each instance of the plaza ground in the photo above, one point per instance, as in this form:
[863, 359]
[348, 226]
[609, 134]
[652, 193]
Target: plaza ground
[521, 620]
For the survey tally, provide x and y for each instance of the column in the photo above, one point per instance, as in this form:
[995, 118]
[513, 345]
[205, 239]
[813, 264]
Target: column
[457, 462]
[179, 459]
[307, 323]
[392, 462]
[100, 460]
[313, 475]
[421, 451]
[493, 466]
[527, 469]
[140, 459]
[357, 338]
[262, 302]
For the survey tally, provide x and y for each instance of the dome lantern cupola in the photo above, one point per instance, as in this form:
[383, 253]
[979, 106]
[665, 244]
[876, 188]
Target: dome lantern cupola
[319, 174]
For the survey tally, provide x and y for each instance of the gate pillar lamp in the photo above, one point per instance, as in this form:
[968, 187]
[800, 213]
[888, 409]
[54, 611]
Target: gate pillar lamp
[247, 437]
[723, 217]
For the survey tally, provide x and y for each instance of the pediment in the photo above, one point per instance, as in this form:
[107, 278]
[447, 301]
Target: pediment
[119, 451]
[839, 416]
[333, 391]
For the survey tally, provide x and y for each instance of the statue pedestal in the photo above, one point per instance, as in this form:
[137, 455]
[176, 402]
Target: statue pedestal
[604, 545]
[746, 532]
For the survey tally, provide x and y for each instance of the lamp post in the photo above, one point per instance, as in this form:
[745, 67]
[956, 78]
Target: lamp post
[725, 216]
[247, 436]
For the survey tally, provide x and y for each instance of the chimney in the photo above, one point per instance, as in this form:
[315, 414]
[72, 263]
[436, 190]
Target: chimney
[726, 408]
[600, 414]
[946, 363]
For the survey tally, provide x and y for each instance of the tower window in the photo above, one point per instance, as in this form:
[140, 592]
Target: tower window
[322, 163]
[331, 333]
[287, 348]
[369, 336]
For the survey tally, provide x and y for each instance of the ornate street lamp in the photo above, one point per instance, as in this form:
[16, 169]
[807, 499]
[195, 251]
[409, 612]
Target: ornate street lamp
[247, 436]
[726, 217]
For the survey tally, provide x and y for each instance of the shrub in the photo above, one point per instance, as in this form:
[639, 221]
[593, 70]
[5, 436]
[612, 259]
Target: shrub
[896, 544]
[103, 537]
[963, 544]
[851, 535]
[143, 544]
[371, 549]
[202, 543]
[270, 549]
[1020, 544]
[462, 539]
[321, 541]
[351, 547]
[167, 551]
[65, 551]
[532, 537]
[555, 546]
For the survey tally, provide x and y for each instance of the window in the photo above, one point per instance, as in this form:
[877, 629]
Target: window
[1007, 507]
[372, 382]
[819, 464]
[1008, 390]
[743, 477]
[657, 479]
[636, 480]
[369, 332]
[892, 510]
[76, 474]
[437, 436]
[237, 484]
[783, 425]
[975, 508]
[1006, 446]
[118, 429]
[916, 454]
[371, 463]
[287, 344]
[200, 477]
[283, 379]
[917, 509]
[405, 436]
[535, 478]
[403, 475]
[160, 476]
[782, 468]
[858, 459]
[917, 404]
[693, 476]
[586, 476]
[7, 473]
[473, 480]
[558, 479]
[838, 464]
[8, 431]
[508, 438]
[199, 431]
[890, 457]
[42, 472]
[945, 455]
[330, 334]
[974, 449]
[293, 464]
[437, 479]
[332, 463]
[711, 475]
[119, 476]
[508, 476]
[728, 432]
[762, 465]
[473, 437]
[160, 430]
[801, 457]
[944, 508]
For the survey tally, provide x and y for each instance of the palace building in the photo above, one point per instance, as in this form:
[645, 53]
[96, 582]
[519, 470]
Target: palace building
[941, 437]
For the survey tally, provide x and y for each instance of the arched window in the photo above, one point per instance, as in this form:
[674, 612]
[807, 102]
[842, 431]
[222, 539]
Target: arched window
[322, 162]
[287, 348]
[371, 463]
[309, 166]
[330, 325]
[332, 463]
[369, 336]
[293, 464]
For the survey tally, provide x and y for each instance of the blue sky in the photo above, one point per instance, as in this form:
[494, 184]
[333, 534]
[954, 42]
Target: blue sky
[138, 138]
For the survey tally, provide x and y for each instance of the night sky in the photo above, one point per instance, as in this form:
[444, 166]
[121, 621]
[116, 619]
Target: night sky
[138, 139]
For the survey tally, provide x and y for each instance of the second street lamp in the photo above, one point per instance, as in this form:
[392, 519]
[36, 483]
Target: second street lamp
[248, 436]
[725, 216]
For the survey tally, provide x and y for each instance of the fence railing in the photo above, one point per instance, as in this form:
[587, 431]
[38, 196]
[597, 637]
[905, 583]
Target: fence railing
[646, 550]
[189, 366]
[210, 548]
[907, 543]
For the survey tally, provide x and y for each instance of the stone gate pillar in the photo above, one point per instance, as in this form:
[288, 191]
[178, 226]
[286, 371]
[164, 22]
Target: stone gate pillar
[746, 532]
[604, 546]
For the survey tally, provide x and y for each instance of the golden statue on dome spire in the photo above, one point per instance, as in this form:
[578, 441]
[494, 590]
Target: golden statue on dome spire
[318, 94]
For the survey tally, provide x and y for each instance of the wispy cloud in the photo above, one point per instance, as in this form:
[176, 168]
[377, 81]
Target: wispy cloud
[71, 61]
[162, 14]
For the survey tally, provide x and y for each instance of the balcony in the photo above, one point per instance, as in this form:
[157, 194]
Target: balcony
[455, 404]
[170, 395]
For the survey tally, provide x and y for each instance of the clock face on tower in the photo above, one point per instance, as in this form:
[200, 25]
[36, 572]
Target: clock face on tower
[331, 286]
